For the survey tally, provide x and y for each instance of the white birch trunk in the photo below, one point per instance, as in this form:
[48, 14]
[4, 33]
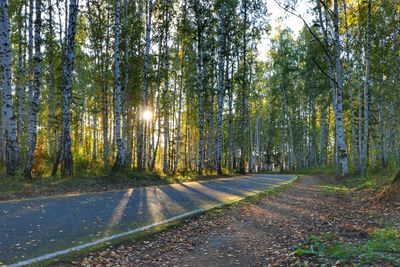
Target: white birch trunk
[243, 92]
[104, 87]
[34, 95]
[120, 159]
[200, 160]
[355, 159]
[342, 154]
[126, 118]
[141, 141]
[20, 83]
[158, 101]
[178, 132]
[230, 120]
[166, 92]
[94, 149]
[364, 155]
[68, 64]
[50, 100]
[8, 118]
[220, 88]
[360, 89]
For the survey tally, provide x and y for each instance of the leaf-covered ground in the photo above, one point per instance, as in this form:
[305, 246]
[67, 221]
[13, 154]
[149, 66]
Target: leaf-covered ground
[313, 223]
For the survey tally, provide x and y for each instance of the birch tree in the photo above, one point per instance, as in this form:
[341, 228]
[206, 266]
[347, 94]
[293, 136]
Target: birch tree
[141, 140]
[364, 154]
[68, 65]
[33, 99]
[8, 117]
[199, 29]
[338, 98]
[120, 159]
[220, 87]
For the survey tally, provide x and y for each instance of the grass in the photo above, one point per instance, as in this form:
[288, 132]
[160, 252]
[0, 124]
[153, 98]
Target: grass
[327, 170]
[382, 246]
[18, 184]
[377, 179]
[102, 181]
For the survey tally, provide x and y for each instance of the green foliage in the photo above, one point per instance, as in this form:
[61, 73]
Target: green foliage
[331, 189]
[88, 179]
[378, 178]
[329, 169]
[383, 246]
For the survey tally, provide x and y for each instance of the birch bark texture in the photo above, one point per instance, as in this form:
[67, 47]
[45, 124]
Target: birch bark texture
[12, 153]
[220, 86]
[120, 158]
[199, 25]
[68, 65]
[33, 99]
[341, 142]
[141, 141]
[364, 154]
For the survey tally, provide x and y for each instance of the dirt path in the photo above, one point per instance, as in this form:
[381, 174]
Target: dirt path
[261, 234]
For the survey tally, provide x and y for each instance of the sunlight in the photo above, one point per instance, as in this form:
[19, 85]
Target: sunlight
[147, 115]
[119, 211]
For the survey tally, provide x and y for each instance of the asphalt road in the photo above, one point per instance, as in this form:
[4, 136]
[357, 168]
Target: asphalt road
[36, 227]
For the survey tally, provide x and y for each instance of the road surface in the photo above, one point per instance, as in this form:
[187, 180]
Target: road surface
[45, 227]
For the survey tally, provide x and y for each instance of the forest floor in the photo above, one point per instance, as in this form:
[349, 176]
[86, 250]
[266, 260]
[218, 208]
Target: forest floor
[16, 187]
[315, 222]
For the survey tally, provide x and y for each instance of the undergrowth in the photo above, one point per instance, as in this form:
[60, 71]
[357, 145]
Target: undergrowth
[382, 247]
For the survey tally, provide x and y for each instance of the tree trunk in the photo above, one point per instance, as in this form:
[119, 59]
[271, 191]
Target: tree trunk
[343, 165]
[120, 159]
[364, 155]
[166, 92]
[243, 93]
[8, 118]
[158, 101]
[34, 95]
[20, 83]
[220, 88]
[141, 138]
[68, 64]
[200, 160]
[350, 87]
[51, 106]
[126, 118]
[178, 132]
[104, 87]
[94, 150]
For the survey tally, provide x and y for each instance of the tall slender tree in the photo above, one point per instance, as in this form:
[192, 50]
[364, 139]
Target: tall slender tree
[8, 117]
[34, 95]
[120, 159]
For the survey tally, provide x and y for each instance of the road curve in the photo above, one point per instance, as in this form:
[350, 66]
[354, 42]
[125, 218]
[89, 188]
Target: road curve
[42, 228]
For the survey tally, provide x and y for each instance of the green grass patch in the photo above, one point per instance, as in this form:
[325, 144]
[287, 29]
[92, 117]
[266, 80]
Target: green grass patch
[378, 178]
[327, 170]
[332, 189]
[103, 181]
[382, 246]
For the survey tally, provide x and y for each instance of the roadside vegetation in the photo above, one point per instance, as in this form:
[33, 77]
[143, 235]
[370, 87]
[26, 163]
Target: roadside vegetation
[17, 187]
[380, 186]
